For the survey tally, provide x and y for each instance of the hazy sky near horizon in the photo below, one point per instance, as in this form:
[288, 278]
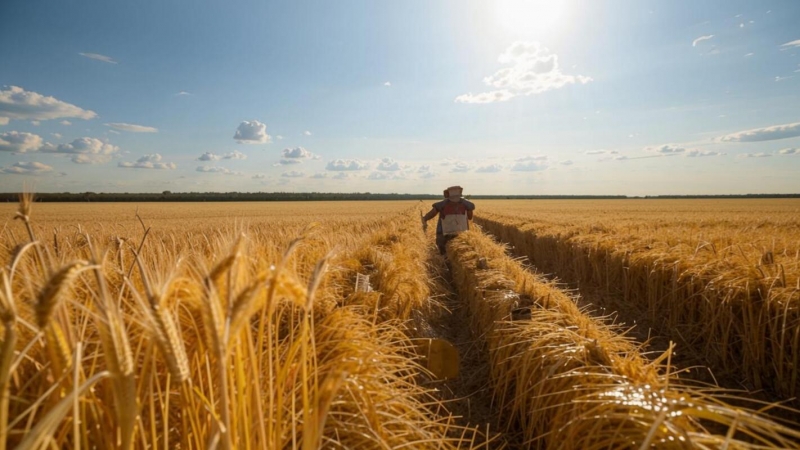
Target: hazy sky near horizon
[501, 97]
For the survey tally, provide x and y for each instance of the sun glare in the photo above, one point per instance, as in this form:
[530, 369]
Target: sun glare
[531, 17]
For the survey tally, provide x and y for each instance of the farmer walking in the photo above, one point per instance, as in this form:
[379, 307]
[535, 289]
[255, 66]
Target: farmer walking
[454, 213]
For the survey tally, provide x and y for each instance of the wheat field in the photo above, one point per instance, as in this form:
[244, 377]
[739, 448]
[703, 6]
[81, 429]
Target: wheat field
[308, 325]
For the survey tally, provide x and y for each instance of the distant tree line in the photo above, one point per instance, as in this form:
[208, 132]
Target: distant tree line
[168, 196]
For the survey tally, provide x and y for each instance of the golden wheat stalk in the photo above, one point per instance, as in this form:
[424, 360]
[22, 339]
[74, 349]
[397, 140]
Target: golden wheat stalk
[8, 317]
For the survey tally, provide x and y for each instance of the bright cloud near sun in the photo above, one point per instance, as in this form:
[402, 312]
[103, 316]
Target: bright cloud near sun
[533, 69]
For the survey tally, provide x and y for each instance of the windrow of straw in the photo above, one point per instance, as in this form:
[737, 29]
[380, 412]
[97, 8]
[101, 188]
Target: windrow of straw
[202, 339]
[394, 259]
[562, 379]
[741, 317]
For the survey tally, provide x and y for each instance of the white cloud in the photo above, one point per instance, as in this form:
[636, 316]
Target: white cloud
[701, 39]
[425, 172]
[293, 174]
[489, 168]
[279, 137]
[694, 153]
[66, 123]
[341, 176]
[567, 162]
[602, 152]
[749, 55]
[789, 151]
[35, 123]
[84, 150]
[252, 132]
[533, 70]
[777, 79]
[297, 154]
[259, 176]
[56, 135]
[183, 93]
[236, 154]
[340, 165]
[18, 104]
[320, 175]
[26, 168]
[379, 176]
[486, 97]
[19, 142]
[666, 149]
[793, 44]
[757, 155]
[217, 169]
[288, 162]
[98, 57]
[772, 133]
[307, 133]
[459, 167]
[389, 165]
[208, 156]
[132, 128]
[388, 84]
[530, 164]
[151, 161]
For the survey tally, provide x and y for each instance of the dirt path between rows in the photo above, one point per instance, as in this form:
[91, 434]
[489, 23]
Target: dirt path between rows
[469, 396]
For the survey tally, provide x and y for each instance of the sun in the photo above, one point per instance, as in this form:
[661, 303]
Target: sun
[530, 17]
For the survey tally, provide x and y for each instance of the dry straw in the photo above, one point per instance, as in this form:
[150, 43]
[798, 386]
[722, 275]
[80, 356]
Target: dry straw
[730, 302]
[565, 380]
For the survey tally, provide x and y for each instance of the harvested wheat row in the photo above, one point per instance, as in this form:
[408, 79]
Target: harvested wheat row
[565, 380]
[739, 318]
[394, 260]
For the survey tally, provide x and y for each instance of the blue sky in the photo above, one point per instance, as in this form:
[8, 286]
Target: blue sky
[502, 97]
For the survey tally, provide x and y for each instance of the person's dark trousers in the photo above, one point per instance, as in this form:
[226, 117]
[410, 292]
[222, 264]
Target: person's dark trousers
[442, 240]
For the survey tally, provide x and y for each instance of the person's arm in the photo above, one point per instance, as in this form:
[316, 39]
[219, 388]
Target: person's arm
[470, 207]
[431, 214]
